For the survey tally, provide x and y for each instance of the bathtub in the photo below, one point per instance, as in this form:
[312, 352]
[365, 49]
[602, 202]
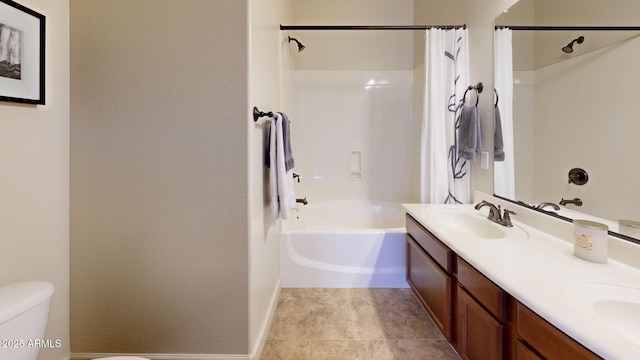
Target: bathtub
[344, 244]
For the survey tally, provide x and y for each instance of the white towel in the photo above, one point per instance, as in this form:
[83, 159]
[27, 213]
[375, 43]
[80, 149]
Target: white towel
[283, 197]
[273, 177]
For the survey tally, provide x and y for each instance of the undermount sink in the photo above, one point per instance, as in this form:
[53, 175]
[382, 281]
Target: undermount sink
[463, 221]
[614, 306]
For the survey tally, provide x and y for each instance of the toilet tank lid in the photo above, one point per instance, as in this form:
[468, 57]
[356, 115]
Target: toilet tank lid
[16, 298]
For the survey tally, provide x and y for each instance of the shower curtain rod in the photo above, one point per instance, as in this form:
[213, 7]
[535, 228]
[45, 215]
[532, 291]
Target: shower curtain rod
[569, 28]
[370, 27]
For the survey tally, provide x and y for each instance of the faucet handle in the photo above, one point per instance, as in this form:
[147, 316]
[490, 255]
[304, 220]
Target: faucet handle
[506, 217]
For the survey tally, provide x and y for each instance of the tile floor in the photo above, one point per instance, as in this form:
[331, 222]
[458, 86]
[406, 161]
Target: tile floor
[350, 324]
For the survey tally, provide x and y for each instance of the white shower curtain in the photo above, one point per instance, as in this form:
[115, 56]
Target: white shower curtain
[504, 171]
[444, 177]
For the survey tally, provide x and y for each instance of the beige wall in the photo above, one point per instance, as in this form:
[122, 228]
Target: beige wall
[34, 185]
[350, 50]
[268, 66]
[434, 12]
[159, 181]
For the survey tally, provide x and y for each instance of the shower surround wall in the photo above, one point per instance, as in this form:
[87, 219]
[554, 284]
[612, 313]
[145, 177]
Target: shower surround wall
[352, 105]
[352, 134]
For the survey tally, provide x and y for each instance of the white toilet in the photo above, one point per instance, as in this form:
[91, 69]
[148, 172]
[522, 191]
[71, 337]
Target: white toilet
[24, 312]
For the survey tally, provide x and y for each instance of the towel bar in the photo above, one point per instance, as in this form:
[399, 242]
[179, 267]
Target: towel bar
[478, 88]
[257, 114]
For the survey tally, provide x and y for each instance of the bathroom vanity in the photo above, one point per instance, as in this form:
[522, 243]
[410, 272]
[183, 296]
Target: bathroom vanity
[508, 293]
[481, 320]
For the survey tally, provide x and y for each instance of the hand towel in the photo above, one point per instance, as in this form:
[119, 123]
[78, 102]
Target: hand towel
[289, 163]
[282, 196]
[498, 144]
[273, 177]
[469, 138]
[286, 195]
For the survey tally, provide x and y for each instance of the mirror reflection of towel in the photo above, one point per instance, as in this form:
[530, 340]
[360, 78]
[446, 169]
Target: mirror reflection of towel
[469, 138]
[498, 145]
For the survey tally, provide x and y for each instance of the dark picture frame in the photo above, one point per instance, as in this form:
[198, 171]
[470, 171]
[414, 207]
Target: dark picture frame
[22, 54]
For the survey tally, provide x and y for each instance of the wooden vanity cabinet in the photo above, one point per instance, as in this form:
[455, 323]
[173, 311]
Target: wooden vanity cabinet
[536, 337]
[476, 316]
[429, 274]
[479, 316]
[478, 335]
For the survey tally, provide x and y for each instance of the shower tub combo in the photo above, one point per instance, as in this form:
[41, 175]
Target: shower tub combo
[344, 244]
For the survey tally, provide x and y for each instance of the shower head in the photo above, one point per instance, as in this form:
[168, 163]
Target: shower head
[300, 46]
[569, 48]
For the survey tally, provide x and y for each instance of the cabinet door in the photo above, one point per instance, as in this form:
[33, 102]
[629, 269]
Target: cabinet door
[478, 335]
[431, 285]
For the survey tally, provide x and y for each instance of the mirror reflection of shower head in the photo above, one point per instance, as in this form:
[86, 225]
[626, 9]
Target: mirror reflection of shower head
[300, 46]
[569, 48]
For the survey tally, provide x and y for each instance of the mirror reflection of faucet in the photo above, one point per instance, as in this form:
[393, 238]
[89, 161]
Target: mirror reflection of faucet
[541, 206]
[575, 201]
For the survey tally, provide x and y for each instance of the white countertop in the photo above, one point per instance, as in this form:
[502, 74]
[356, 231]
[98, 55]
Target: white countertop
[538, 272]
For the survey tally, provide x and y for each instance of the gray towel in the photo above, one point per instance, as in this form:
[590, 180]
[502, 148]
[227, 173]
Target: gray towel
[286, 135]
[498, 145]
[469, 140]
[289, 163]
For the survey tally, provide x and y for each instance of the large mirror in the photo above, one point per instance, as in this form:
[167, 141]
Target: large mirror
[575, 105]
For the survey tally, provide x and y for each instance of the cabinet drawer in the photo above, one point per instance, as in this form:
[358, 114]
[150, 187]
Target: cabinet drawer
[431, 285]
[546, 340]
[482, 289]
[434, 247]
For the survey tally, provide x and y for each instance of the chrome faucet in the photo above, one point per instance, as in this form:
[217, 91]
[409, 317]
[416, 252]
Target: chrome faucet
[494, 213]
[541, 206]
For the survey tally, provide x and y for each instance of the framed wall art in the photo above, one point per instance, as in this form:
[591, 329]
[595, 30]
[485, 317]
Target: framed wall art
[22, 50]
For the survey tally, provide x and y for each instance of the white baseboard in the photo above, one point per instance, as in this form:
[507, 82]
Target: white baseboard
[264, 331]
[91, 356]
